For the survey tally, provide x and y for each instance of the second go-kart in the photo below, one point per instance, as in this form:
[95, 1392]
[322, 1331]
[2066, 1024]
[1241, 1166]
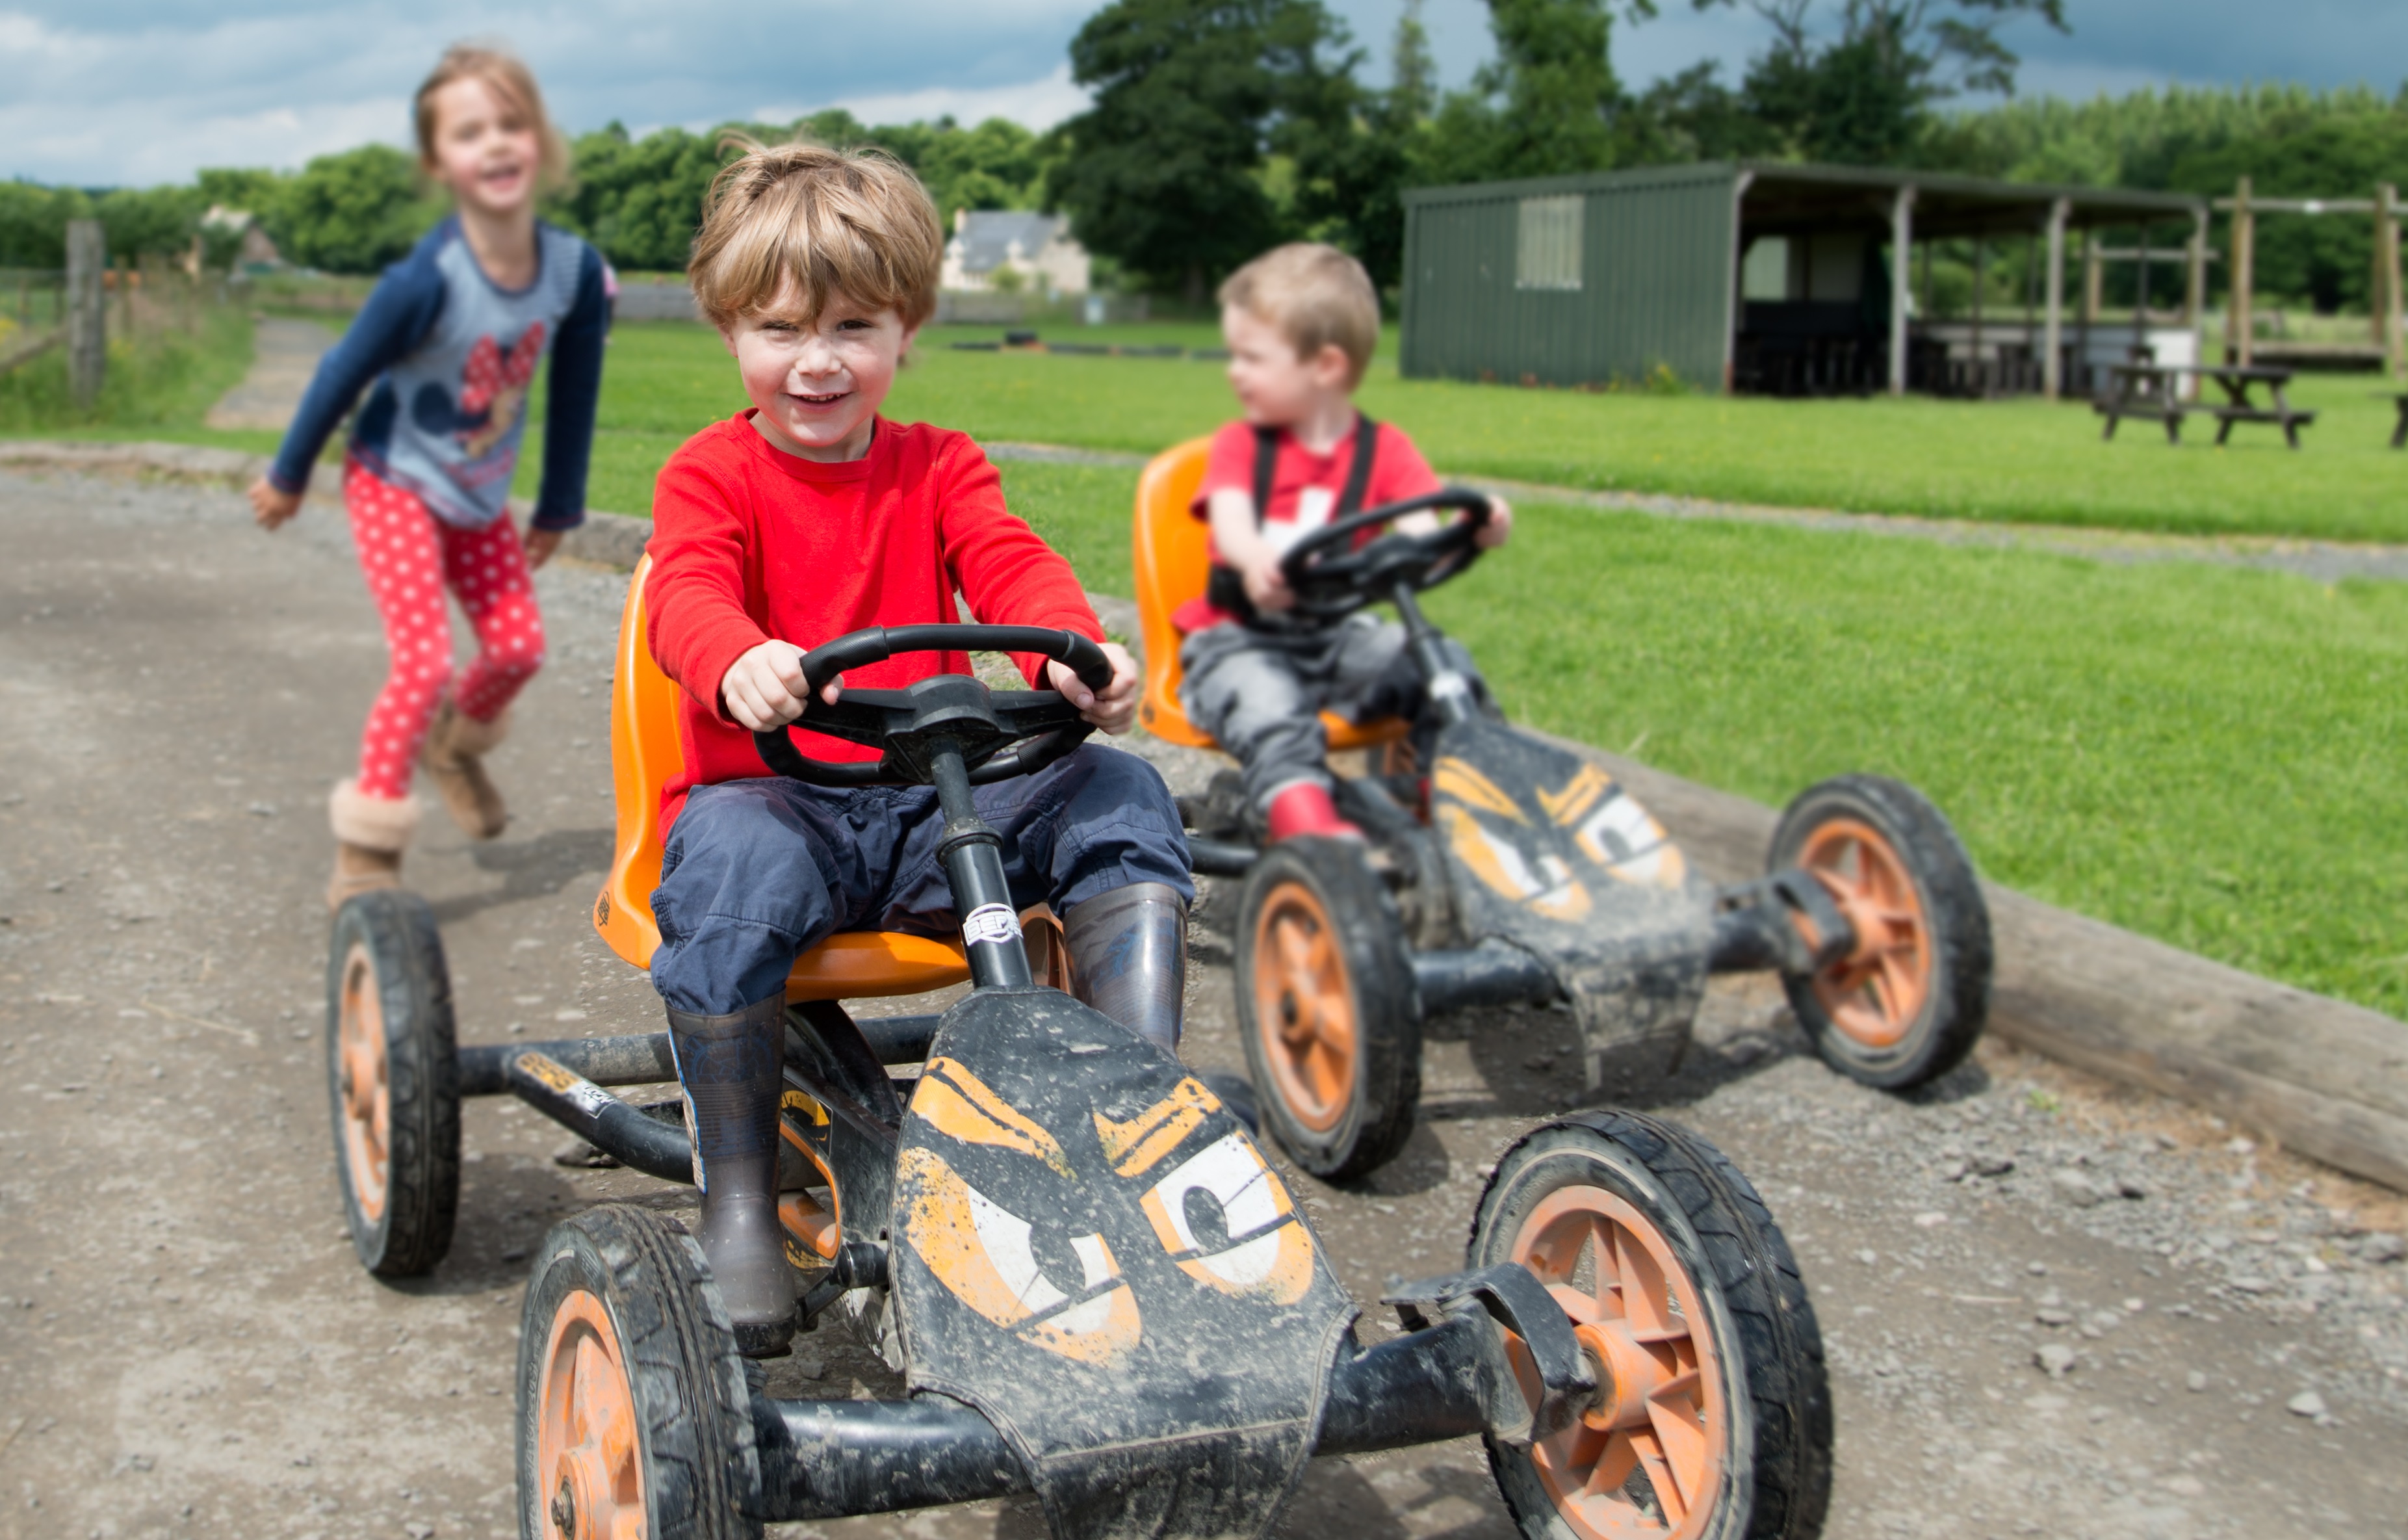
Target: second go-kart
[1508, 868]
[1095, 1289]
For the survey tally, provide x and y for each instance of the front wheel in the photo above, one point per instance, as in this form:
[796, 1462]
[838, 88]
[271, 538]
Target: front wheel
[633, 1413]
[1327, 1008]
[1712, 1419]
[393, 1079]
[1909, 1001]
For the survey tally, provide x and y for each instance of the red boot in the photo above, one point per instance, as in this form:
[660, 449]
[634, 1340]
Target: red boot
[1305, 807]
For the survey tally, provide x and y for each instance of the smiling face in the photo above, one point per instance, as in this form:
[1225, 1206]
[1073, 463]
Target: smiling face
[1275, 387]
[818, 381]
[486, 148]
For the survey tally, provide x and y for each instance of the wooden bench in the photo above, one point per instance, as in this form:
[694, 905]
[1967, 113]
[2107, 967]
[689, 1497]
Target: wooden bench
[2151, 390]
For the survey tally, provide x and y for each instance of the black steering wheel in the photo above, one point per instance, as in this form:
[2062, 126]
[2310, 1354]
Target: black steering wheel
[907, 725]
[1331, 580]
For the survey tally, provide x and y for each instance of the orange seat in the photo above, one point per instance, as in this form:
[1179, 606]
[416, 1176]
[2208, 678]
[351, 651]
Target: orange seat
[644, 752]
[1173, 554]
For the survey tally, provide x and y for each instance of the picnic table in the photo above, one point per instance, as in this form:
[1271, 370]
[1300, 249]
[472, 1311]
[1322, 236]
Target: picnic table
[2153, 391]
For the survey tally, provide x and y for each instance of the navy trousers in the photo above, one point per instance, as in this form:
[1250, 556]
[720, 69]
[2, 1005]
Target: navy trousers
[753, 872]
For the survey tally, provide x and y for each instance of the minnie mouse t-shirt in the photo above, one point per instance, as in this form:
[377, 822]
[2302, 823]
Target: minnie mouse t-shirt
[454, 356]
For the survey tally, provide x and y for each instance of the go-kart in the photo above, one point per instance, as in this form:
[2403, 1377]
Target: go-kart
[1507, 869]
[1094, 1288]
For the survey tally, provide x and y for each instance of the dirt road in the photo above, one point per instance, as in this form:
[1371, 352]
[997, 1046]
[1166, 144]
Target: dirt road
[188, 1348]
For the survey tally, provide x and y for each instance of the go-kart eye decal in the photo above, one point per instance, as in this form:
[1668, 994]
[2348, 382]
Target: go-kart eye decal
[1138, 1145]
[1455, 778]
[1546, 884]
[959, 1104]
[983, 1253]
[1269, 1252]
[1615, 831]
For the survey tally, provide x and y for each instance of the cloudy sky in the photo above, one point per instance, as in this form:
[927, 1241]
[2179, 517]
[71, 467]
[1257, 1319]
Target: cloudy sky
[117, 92]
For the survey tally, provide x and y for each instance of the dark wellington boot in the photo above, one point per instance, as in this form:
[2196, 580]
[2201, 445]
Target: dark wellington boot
[1128, 958]
[729, 1069]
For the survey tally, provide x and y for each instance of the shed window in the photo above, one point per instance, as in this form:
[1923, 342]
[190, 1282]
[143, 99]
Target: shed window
[1549, 252]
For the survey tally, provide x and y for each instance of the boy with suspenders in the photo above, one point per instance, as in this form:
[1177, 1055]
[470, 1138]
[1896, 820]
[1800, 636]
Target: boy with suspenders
[1301, 322]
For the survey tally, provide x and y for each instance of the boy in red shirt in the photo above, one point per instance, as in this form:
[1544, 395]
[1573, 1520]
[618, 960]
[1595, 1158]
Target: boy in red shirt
[780, 529]
[1301, 322]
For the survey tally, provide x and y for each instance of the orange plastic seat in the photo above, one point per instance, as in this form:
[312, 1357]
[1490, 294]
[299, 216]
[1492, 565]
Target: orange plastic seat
[644, 752]
[1172, 554]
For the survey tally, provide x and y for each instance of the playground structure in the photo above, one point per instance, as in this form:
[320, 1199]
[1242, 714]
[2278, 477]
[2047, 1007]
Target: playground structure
[2382, 295]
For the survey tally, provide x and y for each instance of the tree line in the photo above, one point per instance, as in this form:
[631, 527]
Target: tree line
[1218, 127]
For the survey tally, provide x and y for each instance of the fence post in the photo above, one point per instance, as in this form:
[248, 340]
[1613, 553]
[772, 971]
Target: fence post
[2387, 257]
[87, 317]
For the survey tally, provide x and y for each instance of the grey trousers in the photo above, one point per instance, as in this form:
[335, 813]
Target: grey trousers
[1260, 694]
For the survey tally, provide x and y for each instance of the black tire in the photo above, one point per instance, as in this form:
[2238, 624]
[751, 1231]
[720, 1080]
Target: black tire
[623, 1326]
[1738, 1294]
[1866, 1037]
[397, 1139]
[1341, 1109]
[1237, 1093]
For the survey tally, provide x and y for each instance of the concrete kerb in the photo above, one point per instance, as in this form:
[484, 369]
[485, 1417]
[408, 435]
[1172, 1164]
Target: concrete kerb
[2328, 1078]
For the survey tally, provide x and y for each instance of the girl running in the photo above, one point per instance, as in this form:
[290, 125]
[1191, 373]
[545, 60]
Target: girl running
[446, 348]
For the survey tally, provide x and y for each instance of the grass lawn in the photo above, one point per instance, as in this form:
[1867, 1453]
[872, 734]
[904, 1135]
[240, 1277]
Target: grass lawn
[2009, 461]
[2203, 755]
[159, 386]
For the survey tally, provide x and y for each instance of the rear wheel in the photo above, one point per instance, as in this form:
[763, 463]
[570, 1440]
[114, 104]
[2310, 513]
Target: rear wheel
[1909, 1001]
[633, 1413]
[1713, 1414]
[393, 1079]
[1325, 1007]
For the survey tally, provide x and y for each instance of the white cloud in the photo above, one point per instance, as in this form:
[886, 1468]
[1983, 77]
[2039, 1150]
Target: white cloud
[1034, 104]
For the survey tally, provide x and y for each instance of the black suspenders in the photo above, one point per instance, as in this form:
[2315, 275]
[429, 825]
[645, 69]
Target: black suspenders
[1226, 591]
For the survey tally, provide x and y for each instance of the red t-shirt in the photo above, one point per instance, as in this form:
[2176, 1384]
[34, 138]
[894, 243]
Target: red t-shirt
[749, 543]
[1305, 488]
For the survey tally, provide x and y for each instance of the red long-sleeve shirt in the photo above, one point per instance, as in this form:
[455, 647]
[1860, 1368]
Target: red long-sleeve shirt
[751, 543]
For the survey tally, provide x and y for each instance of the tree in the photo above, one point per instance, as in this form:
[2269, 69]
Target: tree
[1547, 104]
[355, 212]
[639, 201]
[1865, 96]
[1163, 173]
[1354, 162]
[34, 223]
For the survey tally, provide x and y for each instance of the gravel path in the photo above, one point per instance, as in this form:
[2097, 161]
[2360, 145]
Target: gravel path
[2054, 1308]
[284, 354]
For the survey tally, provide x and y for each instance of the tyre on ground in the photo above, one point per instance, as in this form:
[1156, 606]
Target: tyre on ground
[1713, 1419]
[1326, 1007]
[632, 1412]
[393, 1082]
[1908, 1002]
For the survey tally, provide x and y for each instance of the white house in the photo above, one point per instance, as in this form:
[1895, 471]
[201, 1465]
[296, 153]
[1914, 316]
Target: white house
[1037, 246]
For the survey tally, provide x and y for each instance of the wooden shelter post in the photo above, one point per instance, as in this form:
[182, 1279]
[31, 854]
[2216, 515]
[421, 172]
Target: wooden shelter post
[2387, 257]
[2195, 287]
[2239, 326]
[2053, 361]
[1902, 246]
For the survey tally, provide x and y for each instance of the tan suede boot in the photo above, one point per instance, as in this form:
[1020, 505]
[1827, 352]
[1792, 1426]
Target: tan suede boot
[455, 749]
[370, 834]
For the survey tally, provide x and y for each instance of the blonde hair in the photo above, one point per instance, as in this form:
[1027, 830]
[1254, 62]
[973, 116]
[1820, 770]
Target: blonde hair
[1317, 296]
[507, 75]
[854, 221]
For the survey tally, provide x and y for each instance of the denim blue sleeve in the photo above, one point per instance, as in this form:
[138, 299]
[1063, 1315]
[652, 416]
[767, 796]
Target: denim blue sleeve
[401, 311]
[576, 386]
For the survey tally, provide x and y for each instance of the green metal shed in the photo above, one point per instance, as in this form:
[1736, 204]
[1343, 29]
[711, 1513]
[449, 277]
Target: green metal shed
[1609, 276]
[1572, 280]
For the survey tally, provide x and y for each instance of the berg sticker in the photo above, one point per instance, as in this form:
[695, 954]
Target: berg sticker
[992, 923]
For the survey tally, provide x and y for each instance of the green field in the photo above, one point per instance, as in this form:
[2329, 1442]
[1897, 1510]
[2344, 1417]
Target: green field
[2012, 461]
[2204, 754]
[159, 386]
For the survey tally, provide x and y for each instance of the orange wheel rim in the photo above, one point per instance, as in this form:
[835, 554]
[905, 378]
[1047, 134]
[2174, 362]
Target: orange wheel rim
[1304, 1007]
[1874, 993]
[1645, 1458]
[587, 1454]
[362, 1085]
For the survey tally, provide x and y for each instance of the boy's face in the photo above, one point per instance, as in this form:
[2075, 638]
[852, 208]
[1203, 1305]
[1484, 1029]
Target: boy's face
[1274, 386]
[819, 384]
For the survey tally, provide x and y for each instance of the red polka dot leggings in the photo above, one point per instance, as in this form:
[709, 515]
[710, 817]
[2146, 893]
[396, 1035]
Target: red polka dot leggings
[410, 558]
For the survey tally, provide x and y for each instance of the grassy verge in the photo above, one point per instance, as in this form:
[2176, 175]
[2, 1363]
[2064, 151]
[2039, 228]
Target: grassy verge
[159, 386]
[2012, 461]
[2202, 755]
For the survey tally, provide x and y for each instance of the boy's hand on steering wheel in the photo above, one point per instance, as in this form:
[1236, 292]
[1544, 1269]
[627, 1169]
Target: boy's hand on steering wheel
[1266, 584]
[1499, 525]
[1114, 707]
[764, 688]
